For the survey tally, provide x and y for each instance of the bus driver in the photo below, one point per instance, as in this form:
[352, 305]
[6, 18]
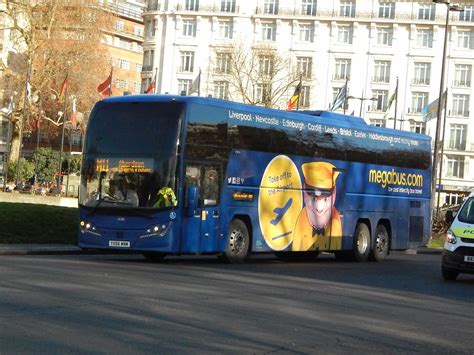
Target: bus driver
[318, 226]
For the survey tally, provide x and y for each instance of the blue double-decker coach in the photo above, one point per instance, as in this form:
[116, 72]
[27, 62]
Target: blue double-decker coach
[166, 174]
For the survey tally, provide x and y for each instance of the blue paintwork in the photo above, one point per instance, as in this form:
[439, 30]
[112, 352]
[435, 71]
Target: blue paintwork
[356, 198]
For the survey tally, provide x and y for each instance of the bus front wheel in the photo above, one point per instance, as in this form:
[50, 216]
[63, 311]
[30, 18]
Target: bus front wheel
[361, 247]
[381, 244]
[238, 242]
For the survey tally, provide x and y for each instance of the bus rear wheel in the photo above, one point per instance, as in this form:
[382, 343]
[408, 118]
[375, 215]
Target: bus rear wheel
[154, 256]
[238, 242]
[361, 247]
[381, 244]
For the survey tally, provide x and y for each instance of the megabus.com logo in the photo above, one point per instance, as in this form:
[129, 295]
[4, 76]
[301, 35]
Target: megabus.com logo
[392, 177]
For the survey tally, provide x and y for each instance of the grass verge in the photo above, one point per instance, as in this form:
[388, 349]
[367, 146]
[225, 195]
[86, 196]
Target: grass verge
[41, 224]
[437, 241]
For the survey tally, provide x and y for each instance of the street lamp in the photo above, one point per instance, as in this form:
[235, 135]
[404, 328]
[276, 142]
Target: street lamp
[362, 99]
[449, 8]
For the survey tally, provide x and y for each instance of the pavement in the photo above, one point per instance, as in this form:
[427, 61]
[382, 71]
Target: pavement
[67, 249]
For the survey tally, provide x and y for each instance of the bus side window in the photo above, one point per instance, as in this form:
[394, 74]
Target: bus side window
[210, 186]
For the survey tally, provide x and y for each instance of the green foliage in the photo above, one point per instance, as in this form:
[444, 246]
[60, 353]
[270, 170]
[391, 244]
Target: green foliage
[46, 161]
[34, 223]
[25, 172]
[74, 162]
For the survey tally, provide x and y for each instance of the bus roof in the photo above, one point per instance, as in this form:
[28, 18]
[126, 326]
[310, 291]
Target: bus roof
[313, 116]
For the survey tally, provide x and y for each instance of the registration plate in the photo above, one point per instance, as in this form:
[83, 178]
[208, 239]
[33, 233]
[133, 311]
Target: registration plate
[119, 243]
[469, 258]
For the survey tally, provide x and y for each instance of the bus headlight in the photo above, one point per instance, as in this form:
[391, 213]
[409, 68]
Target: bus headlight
[450, 237]
[158, 230]
[88, 227]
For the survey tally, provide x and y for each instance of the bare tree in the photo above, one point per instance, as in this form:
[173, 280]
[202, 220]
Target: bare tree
[52, 40]
[257, 75]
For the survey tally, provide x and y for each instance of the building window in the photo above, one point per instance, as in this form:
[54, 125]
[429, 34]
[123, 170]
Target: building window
[138, 31]
[269, 31]
[308, 7]
[462, 75]
[266, 65]
[344, 34]
[304, 67]
[120, 26]
[387, 10]
[306, 33]
[426, 11]
[183, 86]
[124, 64]
[377, 122]
[189, 28]
[382, 99]
[150, 28]
[304, 99]
[347, 8]
[342, 69]
[138, 67]
[381, 71]
[192, 5]
[270, 7]
[226, 29]
[228, 5]
[148, 57]
[384, 36]
[418, 101]
[467, 14]
[465, 39]
[121, 84]
[417, 127]
[264, 93]
[422, 74]
[222, 63]
[453, 199]
[221, 90]
[457, 136]
[187, 61]
[124, 44]
[460, 105]
[424, 37]
[455, 166]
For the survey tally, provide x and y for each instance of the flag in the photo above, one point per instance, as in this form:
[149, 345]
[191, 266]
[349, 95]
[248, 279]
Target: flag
[431, 110]
[105, 89]
[295, 98]
[63, 89]
[195, 85]
[151, 87]
[340, 98]
[74, 113]
[390, 102]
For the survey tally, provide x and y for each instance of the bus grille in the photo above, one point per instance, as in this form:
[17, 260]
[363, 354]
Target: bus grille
[416, 229]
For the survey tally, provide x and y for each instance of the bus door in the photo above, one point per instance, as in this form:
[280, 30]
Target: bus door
[202, 226]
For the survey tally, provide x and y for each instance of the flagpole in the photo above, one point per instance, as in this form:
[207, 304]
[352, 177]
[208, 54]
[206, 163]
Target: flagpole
[396, 104]
[345, 97]
[27, 82]
[62, 138]
[442, 150]
[154, 79]
[199, 83]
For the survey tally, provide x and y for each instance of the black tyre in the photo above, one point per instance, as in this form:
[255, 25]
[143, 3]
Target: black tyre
[381, 244]
[449, 274]
[238, 242]
[306, 256]
[361, 247]
[154, 256]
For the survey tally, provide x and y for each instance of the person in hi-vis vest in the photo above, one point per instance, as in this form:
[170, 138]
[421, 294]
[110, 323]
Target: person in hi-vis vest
[318, 226]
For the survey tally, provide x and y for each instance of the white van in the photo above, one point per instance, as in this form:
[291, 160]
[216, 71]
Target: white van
[458, 252]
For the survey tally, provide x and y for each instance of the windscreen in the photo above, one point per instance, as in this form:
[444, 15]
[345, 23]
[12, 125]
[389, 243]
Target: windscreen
[466, 215]
[130, 156]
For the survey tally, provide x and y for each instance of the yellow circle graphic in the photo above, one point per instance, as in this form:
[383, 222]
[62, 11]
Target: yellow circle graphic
[280, 201]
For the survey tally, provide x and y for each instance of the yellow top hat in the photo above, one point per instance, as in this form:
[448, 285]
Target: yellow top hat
[320, 175]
